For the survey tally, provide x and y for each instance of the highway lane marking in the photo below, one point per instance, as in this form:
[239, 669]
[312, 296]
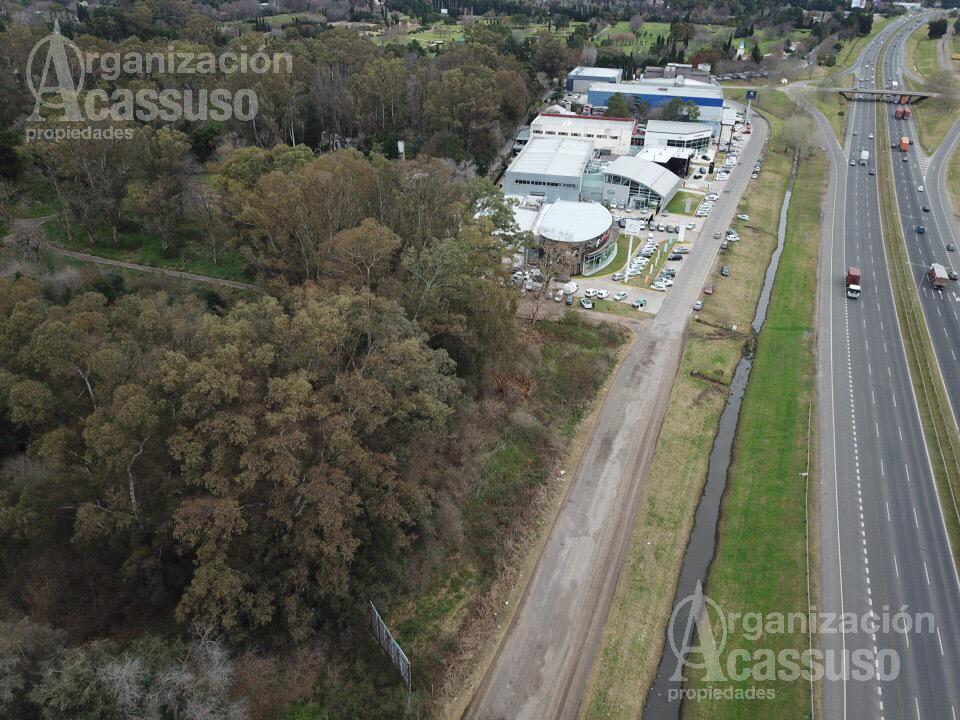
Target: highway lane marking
[917, 704]
[888, 510]
[916, 520]
[926, 571]
[896, 567]
[940, 640]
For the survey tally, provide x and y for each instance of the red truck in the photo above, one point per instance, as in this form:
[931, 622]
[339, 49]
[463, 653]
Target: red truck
[907, 112]
[904, 144]
[853, 282]
[898, 113]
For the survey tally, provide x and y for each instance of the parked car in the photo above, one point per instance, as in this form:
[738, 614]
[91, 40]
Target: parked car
[587, 303]
[743, 217]
[589, 292]
[675, 256]
[691, 226]
[708, 290]
[658, 286]
[569, 300]
[558, 296]
[617, 277]
[698, 305]
[602, 294]
[639, 303]
[620, 296]
[725, 271]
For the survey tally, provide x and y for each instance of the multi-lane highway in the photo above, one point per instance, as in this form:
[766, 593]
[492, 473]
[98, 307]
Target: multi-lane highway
[941, 308]
[883, 539]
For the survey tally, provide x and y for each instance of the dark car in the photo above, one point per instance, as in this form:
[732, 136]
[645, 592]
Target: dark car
[926, 209]
[921, 229]
[725, 271]
[951, 247]
[675, 256]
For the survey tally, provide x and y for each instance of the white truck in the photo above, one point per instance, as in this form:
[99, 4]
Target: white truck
[864, 157]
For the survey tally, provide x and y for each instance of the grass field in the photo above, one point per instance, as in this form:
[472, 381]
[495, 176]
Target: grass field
[633, 636]
[647, 35]
[932, 117]
[762, 533]
[953, 179]
[678, 203]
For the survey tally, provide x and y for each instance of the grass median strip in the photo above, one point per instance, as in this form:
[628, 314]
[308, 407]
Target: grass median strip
[936, 415]
[633, 637]
[761, 563]
[933, 118]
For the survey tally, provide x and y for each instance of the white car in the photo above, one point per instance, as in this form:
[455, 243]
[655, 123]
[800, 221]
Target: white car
[617, 277]
[589, 292]
[743, 217]
[870, 136]
[586, 303]
[722, 176]
[658, 286]
[620, 296]
[919, 188]
[602, 294]
[711, 196]
[667, 282]
[691, 226]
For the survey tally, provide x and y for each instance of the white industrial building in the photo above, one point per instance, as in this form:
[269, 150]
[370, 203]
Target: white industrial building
[581, 78]
[551, 168]
[611, 135]
[687, 135]
[632, 183]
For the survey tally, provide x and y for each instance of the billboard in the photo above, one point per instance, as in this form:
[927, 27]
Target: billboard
[390, 646]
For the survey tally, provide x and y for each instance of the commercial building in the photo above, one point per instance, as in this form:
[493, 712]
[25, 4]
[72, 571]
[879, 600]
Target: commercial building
[708, 97]
[581, 78]
[551, 168]
[612, 135]
[581, 231]
[687, 135]
[632, 183]
[671, 71]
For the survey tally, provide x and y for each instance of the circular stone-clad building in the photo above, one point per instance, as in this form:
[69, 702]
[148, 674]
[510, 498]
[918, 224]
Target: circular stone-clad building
[581, 230]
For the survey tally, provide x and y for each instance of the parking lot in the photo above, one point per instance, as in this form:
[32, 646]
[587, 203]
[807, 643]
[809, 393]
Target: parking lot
[659, 250]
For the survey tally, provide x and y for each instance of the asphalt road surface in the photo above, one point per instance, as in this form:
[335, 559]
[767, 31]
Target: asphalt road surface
[542, 666]
[883, 540]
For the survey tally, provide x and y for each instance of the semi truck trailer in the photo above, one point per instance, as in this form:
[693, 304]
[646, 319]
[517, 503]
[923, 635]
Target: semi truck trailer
[853, 282]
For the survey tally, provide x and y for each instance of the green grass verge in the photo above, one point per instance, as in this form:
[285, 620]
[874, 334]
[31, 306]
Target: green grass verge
[852, 49]
[936, 415]
[932, 117]
[678, 203]
[634, 633]
[761, 561]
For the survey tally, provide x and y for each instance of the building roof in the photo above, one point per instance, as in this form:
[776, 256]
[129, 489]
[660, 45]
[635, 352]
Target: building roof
[645, 172]
[691, 90]
[664, 154]
[564, 157]
[613, 74]
[676, 127]
[593, 121]
[568, 221]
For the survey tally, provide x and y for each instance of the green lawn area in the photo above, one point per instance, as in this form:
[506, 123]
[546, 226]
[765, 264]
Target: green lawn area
[953, 179]
[145, 249]
[650, 31]
[760, 563]
[615, 307]
[633, 636]
[678, 202]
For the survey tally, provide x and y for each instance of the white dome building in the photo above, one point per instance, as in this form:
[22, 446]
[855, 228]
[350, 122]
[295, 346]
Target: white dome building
[582, 230]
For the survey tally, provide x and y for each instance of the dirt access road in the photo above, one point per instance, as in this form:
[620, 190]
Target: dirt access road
[541, 668]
